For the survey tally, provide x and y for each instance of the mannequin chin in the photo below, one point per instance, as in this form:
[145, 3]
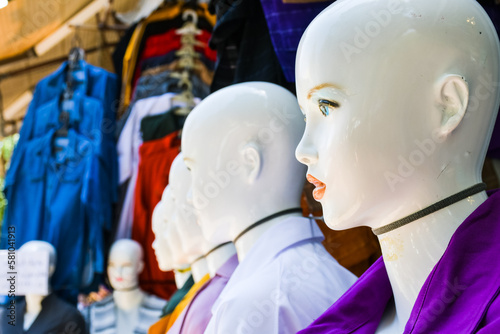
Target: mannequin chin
[125, 264]
[246, 176]
[191, 238]
[386, 125]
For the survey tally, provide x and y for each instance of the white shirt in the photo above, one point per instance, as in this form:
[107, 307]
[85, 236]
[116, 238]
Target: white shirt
[286, 281]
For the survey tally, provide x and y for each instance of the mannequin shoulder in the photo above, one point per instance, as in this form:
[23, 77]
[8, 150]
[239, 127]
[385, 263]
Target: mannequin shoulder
[153, 302]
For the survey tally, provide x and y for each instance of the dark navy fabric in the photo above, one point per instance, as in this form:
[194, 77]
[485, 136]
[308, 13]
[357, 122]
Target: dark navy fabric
[287, 22]
[62, 190]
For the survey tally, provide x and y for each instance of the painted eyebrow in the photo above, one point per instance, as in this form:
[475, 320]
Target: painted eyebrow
[320, 87]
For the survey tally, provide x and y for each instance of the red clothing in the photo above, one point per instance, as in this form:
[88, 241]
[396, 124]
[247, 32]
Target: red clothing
[155, 158]
[161, 44]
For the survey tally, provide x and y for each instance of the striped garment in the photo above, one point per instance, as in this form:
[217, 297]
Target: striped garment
[101, 316]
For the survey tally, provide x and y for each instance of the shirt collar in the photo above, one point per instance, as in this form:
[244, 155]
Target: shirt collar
[290, 231]
[227, 269]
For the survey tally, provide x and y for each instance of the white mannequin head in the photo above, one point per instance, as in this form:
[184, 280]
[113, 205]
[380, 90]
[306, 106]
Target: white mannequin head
[246, 171]
[193, 243]
[179, 258]
[160, 244]
[413, 91]
[125, 264]
[36, 246]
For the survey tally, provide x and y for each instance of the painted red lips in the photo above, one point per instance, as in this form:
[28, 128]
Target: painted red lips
[319, 192]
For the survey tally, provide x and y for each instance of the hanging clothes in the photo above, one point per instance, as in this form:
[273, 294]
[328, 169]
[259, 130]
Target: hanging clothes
[70, 189]
[155, 159]
[244, 48]
[168, 18]
[286, 23]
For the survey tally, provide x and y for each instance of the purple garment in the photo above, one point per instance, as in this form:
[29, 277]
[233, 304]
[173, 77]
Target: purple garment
[287, 22]
[459, 296]
[195, 317]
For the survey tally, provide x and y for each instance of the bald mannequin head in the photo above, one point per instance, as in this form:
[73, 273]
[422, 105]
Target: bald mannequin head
[160, 244]
[239, 144]
[125, 264]
[400, 99]
[192, 241]
[36, 246]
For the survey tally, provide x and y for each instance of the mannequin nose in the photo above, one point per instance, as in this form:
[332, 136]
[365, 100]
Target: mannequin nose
[306, 152]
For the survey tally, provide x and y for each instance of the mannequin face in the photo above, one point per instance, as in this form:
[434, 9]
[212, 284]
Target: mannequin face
[172, 238]
[125, 264]
[386, 123]
[193, 243]
[160, 244]
[248, 171]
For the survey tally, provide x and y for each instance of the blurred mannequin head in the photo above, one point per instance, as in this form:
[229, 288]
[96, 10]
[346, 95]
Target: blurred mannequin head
[193, 243]
[125, 264]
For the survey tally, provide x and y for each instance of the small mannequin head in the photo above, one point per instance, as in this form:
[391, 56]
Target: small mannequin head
[125, 264]
[36, 246]
[193, 243]
[160, 244]
[400, 99]
[248, 170]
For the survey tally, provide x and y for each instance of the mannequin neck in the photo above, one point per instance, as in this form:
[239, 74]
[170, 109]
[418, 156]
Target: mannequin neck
[128, 300]
[411, 252]
[34, 304]
[247, 240]
[181, 276]
[218, 257]
[199, 269]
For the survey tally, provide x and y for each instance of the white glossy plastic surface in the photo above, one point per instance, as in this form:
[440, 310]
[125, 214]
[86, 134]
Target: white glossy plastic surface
[246, 170]
[192, 241]
[400, 99]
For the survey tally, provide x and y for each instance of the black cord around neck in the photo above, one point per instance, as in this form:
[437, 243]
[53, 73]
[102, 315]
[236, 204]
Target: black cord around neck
[217, 247]
[266, 219]
[431, 209]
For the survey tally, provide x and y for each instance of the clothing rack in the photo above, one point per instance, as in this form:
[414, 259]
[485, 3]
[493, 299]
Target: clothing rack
[51, 62]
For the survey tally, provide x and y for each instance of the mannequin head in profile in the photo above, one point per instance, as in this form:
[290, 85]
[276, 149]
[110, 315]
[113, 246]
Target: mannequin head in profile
[125, 264]
[246, 170]
[400, 99]
[191, 238]
[160, 245]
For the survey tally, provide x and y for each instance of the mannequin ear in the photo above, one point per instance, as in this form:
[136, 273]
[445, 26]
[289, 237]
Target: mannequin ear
[453, 100]
[252, 162]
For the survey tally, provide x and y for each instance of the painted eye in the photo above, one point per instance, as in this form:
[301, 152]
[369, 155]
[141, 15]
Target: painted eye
[326, 105]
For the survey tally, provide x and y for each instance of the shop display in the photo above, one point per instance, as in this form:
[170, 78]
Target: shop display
[423, 130]
[128, 309]
[163, 166]
[253, 199]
